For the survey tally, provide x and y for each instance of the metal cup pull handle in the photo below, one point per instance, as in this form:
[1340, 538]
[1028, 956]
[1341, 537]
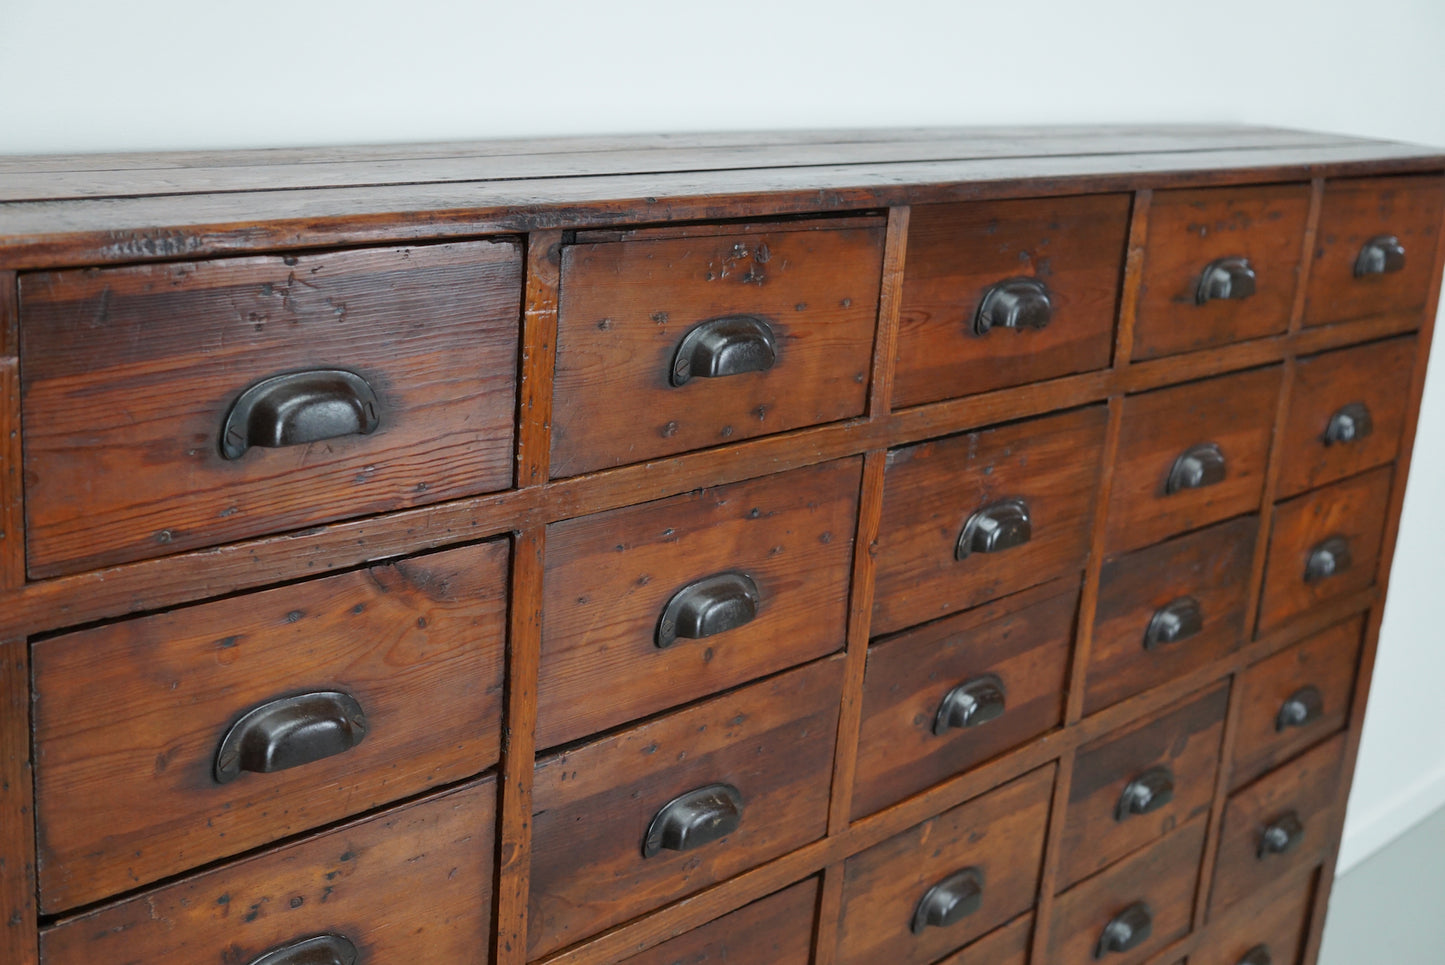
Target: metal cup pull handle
[719, 347]
[319, 950]
[299, 408]
[290, 732]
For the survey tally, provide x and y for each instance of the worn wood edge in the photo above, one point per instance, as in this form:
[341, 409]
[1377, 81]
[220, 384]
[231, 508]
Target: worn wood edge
[1307, 256]
[1053, 846]
[12, 490]
[1135, 252]
[9, 315]
[890, 304]
[829, 922]
[539, 357]
[19, 931]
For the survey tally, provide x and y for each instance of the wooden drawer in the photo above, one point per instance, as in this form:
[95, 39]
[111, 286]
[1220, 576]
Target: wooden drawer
[147, 714]
[650, 606]
[1346, 413]
[938, 886]
[772, 324]
[1008, 945]
[1281, 822]
[594, 806]
[1323, 545]
[777, 930]
[1275, 929]
[1136, 784]
[1169, 609]
[1220, 265]
[1007, 292]
[935, 491]
[340, 883]
[939, 699]
[1356, 270]
[1153, 889]
[1295, 698]
[1191, 455]
[131, 375]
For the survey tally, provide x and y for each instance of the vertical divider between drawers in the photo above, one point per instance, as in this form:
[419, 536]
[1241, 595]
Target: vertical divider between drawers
[1312, 227]
[1133, 272]
[12, 503]
[19, 934]
[1049, 874]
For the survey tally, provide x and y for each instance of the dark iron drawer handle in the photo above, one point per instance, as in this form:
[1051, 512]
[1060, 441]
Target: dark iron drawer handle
[1349, 423]
[694, 819]
[295, 409]
[1258, 955]
[975, 701]
[715, 604]
[1381, 255]
[320, 950]
[950, 901]
[1016, 303]
[1149, 791]
[1128, 929]
[1175, 621]
[1198, 466]
[1225, 279]
[719, 347]
[995, 528]
[288, 733]
[1330, 558]
[1304, 706]
[1281, 836]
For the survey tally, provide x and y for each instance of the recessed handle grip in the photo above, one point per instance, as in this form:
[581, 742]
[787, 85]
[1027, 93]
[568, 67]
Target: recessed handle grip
[975, 701]
[719, 347]
[1304, 706]
[288, 733]
[299, 408]
[1127, 930]
[320, 950]
[1381, 255]
[1175, 621]
[1225, 279]
[1281, 836]
[1016, 303]
[694, 819]
[712, 605]
[1329, 558]
[1196, 467]
[1147, 792]
[1349, 423]
[1258, 955]
[995, 528]
[950, 901]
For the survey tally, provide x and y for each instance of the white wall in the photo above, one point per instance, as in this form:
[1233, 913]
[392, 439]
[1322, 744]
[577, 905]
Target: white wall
[98, 75]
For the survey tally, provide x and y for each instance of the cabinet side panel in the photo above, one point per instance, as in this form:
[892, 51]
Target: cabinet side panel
[18, 938]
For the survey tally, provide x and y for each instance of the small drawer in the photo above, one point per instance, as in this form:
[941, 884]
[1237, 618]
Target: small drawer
[1295, 698]
[1127, 914]
[777, 930]
[341, 884]
[1132, 787]
[651, 606]
[1221, 265]
[938, 886]
[628, 823]
[976, 516]
[216, 728]
[939, 699]
[1323, 545]
[670, 340]
[1272, 933]
[1375, 248]
[1008, 945]
[1191, 455]
[185, 405]
[1169, 609]
[1281, 822]
[1346, 413]
[1006, 292]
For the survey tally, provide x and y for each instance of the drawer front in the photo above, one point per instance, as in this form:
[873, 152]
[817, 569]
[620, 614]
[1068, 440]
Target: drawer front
[1274, 932]
[777, 930]
[341, 883]
[1346, 413]
[939, 699]
[1031, 484]
[772, 326]
[771, 743]
[1169, 609]
[1357, 271]
[936, 887]
[1191, 455]
[154, 715]
[1324, 545]
[1008, 945]
[1002, 293]
[1220, 265]
[131, 375]
[651, 606]
[1130, 788]
[1154, 889]
[1280, 823]
[1295, 698]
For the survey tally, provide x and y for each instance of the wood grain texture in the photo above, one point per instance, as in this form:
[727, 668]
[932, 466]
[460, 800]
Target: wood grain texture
[890, 303]
[19, 942]
[1277, 924]
[12, 492]
[9, 315]
[777, 929]
[539, 357]
[1008, 945]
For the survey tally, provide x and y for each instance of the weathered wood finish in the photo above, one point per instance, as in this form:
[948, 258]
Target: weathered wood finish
[12, 502]
[1008, 945]
[1278, 925]
[777, 930]
[18, 936]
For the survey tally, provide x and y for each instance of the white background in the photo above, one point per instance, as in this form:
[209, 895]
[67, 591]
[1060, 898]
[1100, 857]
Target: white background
[86, 75]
